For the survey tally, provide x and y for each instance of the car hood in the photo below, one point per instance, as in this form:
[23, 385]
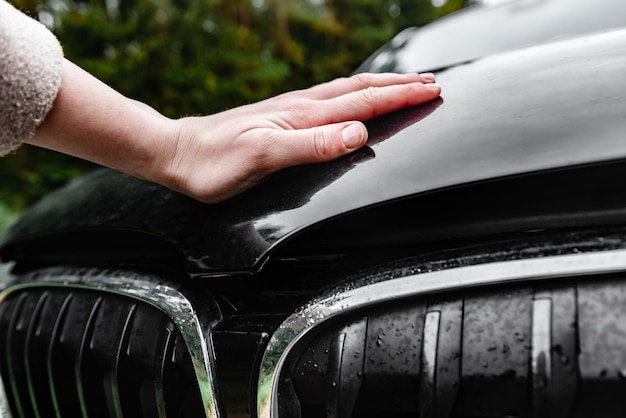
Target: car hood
[536, 109]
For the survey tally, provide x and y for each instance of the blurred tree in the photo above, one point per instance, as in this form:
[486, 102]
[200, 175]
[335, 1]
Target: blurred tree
[201, 56]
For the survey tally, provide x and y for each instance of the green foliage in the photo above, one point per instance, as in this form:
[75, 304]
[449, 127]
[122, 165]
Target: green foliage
[188, 57]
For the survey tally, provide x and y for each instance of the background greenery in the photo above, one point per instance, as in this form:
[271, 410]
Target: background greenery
[201, 56]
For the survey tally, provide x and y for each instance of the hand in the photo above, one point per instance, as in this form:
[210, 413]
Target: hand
[214, 157]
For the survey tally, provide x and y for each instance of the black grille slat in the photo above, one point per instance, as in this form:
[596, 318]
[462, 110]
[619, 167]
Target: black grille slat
[309, 380]
[20, 321]
[496, 354]
[99, 358]
[346, 368]
[121, 350]
[59, 318]
[66, 351]
[351, 366]
[83, 377]
[138, 361]
[35, 361]
[448, 363]
[10, 309]
[602, 359]
[392, 360]
[333, 376]
[564, 352]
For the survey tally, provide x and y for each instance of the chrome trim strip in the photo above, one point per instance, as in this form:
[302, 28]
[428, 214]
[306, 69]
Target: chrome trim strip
[5, 412]
[5, 275]
[541, 354]
[330, 305]
[161, 296]
[430, 344]
[429, 348]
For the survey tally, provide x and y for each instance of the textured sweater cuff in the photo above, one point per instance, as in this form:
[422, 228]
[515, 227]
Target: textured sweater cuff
[31, 65]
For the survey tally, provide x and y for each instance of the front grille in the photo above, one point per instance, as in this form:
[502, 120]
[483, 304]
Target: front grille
[556, 350]
[73, 352]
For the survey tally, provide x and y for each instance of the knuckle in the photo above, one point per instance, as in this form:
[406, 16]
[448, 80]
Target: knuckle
[361, 80]
[321, 144]
[299, 113]
[299, 107]
[369, 95]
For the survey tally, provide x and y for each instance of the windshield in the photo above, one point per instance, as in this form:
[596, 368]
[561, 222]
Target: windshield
[491, 27]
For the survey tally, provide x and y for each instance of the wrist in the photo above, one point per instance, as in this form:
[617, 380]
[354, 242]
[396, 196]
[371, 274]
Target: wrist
[166, 145]
[153, 145]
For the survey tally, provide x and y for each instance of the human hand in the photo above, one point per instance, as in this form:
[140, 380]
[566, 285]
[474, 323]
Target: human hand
[215, 157]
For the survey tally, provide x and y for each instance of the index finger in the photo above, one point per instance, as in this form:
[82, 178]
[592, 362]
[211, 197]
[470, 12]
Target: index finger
[365, 104]
[345, 85]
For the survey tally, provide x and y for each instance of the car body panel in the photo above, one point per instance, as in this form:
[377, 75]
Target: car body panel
[500, 116]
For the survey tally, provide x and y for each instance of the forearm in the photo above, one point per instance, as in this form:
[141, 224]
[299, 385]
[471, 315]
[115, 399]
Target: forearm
[92, 121]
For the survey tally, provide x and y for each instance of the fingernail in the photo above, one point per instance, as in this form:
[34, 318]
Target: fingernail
[429, 77]
[434, 87]
[352, 136]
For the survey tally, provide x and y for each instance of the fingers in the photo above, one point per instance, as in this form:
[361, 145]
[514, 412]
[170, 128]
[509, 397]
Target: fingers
[375, 101]
[362, 81]
[364, 104]
[326, 129]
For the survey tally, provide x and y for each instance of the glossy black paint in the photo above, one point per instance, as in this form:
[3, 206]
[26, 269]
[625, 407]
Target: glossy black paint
[527, 111]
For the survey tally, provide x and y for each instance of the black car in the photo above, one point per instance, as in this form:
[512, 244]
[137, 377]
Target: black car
[469, 262]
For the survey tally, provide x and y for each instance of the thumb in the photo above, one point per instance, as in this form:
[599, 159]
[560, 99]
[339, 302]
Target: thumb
[353, 136]
[322, 143]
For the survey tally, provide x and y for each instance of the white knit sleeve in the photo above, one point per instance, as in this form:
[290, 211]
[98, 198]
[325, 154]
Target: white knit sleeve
[31, 61]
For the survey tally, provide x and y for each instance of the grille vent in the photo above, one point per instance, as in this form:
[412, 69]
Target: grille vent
[557, 351]
[70, 353]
